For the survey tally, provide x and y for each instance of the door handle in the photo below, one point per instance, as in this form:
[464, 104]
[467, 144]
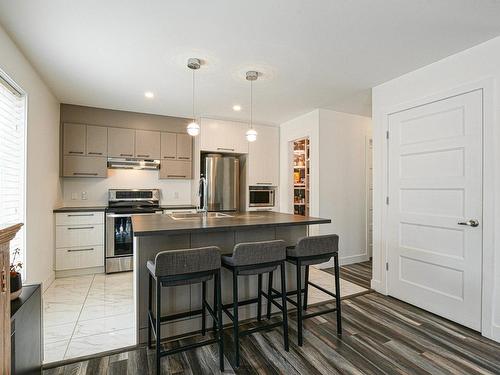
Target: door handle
[471, 223]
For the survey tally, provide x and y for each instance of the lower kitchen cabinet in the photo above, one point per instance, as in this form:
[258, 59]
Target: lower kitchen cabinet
[176, 169]
[84, 166]
[79, 240]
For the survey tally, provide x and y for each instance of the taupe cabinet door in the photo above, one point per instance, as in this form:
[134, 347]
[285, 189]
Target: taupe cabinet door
[147, 144]
[184, 146]
[168, 146]
[97, 141]
[74, 139]
[121, 142]
[175, 169]
[84, 166]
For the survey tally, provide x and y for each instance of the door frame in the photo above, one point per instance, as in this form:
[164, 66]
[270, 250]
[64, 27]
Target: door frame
[381, 247]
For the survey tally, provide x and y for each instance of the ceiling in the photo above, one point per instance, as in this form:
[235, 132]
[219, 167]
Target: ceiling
[322, 53]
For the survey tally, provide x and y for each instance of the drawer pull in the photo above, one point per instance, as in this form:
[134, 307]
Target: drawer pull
[84, 174]
[95, 153]
[143, 156]
[77, 215]
[183, 158]
[125, 154]
[76, 228]
[225, 149]
[169, 157]
[176, 175]
[76, 152]
[76, 250]
[264, 183]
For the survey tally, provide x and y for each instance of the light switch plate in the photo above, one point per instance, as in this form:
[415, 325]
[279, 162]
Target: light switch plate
[84, 195]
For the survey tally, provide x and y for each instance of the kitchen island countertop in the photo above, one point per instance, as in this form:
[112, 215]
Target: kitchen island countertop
[151, 225]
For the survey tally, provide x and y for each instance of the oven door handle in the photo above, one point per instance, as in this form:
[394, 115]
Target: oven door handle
[118, 215]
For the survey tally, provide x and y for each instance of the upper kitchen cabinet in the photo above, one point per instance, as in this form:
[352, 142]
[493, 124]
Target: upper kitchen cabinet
[168, 146]
[263, 157]
[223, 136]
[74, 139]
[147, 144]
[121, 142]
[184, 143]
[97, 141]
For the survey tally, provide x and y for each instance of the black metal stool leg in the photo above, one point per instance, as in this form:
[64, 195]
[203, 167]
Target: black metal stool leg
[306, 287]
[259, 297]
[337, 294]
[203, 308]
[284, 308]
[216, 302]
[158, 327]
[236, 321]
[299, 303]
[150, 302]
[218, 308]
[269, 293]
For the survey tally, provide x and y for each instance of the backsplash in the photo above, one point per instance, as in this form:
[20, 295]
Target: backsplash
[95, 190]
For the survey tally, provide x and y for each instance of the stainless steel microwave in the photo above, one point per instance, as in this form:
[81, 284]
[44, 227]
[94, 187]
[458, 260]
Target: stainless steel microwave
[261, 196]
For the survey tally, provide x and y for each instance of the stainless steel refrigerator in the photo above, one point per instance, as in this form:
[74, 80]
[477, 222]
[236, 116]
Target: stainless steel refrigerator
[222, 175]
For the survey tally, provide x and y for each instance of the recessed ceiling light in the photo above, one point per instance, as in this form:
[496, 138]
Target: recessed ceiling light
[149, 95]
[236, 107]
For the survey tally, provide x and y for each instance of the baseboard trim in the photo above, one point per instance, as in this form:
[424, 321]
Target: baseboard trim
[79, 272]
[377, 286]
[48, 281]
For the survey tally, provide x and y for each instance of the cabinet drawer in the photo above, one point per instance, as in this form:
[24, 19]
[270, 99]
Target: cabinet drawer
[79, 257]
[79, 218]
[79, 235]
[175, 169]
[85, 166]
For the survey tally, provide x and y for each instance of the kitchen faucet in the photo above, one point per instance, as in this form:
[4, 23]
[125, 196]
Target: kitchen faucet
[202, 194]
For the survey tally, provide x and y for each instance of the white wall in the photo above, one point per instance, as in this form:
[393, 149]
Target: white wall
[43, 190]
[468, 68]
[172, 191]
[338, 175]
[342, 181]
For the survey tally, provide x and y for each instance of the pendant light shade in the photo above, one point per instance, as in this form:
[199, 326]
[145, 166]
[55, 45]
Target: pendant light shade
[251, 134]
[193, 129]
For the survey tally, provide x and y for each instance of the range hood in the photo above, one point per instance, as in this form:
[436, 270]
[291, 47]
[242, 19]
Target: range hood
[129, 163]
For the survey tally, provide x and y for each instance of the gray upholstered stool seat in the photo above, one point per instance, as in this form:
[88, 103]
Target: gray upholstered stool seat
[255, 253]
[182, 267]
[319, 249]
[185, 261]
[256, 258]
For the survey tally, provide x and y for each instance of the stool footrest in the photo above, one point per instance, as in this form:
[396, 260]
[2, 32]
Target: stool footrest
[261, 328]
[312, 315]
[187, 347]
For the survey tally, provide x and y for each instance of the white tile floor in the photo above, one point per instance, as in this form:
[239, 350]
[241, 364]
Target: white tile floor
[85, 315]
[90, 314]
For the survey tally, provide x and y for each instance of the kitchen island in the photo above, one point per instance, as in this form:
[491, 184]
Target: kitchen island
[155, 233]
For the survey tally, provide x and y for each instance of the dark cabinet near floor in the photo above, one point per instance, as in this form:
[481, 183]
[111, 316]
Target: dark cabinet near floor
[26, 331]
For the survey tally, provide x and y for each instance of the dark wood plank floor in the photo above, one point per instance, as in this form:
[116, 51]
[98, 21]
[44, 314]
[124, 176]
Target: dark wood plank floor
[357, 273]
[381, 336]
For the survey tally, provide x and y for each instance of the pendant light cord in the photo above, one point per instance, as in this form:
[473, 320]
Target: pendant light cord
[251, 104]
[193, 97]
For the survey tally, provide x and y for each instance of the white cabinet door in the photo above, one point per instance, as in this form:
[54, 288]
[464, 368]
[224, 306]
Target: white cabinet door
[263, 157]
[79, 235]
[223, 136]
[435, 193]
[79, 218]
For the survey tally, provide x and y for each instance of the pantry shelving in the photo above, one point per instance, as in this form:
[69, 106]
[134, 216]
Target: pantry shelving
[301, 172]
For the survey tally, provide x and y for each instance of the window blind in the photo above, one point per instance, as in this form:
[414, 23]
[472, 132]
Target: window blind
[12, 161]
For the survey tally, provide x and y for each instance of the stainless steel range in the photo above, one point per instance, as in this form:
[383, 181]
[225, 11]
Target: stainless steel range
[122, 204]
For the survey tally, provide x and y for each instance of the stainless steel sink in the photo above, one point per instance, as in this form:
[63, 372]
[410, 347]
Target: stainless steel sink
[199, 215]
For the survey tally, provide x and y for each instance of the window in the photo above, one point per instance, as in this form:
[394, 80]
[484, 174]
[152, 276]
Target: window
[12, 160]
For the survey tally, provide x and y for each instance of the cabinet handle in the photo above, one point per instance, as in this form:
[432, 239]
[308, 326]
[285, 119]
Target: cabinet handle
[225, 149]
[184, 157]
[95, 153]
[75, 215]
[125, 154]
[4, 281]
[143, 156]
[264, 209]
[75, 250]
[169, 157]
[176, 175]
[84, 174]
[77, 228]
[76, 152]
[264, 183]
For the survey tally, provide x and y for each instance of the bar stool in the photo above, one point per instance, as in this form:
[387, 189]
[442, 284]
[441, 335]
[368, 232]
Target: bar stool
[309, 251]
[184, 267]
[256, 258]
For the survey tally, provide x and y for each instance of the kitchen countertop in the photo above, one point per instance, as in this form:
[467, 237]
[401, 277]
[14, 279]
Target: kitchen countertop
[103, 208]
[151, 225]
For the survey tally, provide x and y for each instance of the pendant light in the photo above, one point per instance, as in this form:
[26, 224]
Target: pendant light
[251, 134]
[193, 128]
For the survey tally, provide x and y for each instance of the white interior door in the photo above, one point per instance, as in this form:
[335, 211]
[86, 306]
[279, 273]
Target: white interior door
[435, 199]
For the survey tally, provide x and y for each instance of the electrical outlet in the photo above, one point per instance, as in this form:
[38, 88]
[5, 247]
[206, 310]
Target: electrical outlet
[74, 196]
[84, 195]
